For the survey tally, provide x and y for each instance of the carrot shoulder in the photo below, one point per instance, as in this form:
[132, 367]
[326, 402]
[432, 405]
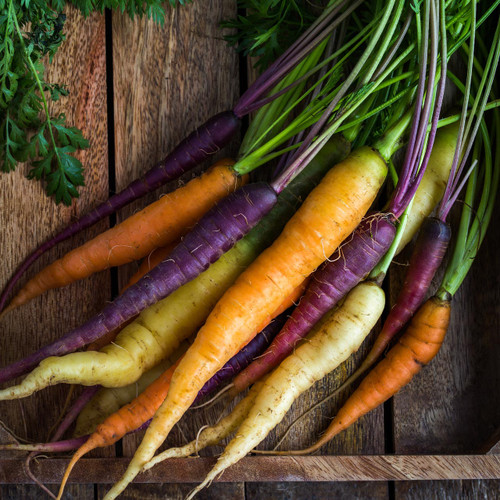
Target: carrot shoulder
[159, 224]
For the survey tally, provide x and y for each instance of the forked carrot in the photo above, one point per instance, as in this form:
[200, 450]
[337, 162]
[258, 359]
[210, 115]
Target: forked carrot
[157, 225]
[417, 347]
[328, 215]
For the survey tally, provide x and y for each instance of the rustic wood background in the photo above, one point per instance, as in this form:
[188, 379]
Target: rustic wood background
[136, 90]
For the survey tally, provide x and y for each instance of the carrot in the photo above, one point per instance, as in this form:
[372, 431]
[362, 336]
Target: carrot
[331, 212]
[333, 340]
[417, 347]
[157, 225]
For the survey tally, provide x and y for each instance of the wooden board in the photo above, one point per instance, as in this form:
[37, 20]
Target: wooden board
[28, 217]
[276, 469]
[163, 87]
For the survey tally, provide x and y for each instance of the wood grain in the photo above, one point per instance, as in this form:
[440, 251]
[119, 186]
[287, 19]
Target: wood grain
[271, 469]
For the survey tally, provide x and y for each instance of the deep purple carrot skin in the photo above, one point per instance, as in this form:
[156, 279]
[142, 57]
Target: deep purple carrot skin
[206, 140]
[214, 235]
[429, 251]
[355, 258]
[243, 358]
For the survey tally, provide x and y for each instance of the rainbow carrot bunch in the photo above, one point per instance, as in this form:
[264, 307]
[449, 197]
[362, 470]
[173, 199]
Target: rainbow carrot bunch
[207, 306]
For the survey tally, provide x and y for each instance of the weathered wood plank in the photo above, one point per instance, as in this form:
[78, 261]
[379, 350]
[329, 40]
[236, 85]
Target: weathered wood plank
[32, 491]
[28, 217]
[160, 491]
[271, 469]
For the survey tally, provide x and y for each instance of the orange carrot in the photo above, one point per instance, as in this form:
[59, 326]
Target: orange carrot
[159, 224]
[327, 216]
[125, 420]
[419, 344]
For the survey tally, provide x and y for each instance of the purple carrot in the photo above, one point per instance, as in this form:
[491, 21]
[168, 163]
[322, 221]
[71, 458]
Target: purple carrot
[241, 360]
[214, 234]
[355, 258]
[429, 251]
[205, 141]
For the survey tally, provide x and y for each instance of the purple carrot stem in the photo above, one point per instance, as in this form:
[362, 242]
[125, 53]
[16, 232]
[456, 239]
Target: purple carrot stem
[422, 129]
[205, 141]
[243, 358]
[445, 209]
[213, 235]
[406, 167]
[412, 188]
[355, 258]
[276, 69]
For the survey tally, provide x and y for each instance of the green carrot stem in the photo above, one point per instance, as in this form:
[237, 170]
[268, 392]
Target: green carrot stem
[467, 248]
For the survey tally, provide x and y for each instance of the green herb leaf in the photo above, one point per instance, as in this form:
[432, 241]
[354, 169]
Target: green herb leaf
[31, 30]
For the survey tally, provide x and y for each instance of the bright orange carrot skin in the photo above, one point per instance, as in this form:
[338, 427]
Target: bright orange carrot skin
[159, 224]
[417, 347]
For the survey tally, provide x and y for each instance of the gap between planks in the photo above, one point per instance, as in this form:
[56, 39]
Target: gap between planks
[267, 469]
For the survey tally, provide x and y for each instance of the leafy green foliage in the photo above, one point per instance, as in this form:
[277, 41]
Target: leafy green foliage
[30, 31]
[269, 27]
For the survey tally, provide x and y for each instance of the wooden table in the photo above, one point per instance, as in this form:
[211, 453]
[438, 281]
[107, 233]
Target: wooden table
[136, 90]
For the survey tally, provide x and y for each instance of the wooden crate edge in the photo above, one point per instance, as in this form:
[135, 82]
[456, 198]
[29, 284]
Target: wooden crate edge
[267, 469]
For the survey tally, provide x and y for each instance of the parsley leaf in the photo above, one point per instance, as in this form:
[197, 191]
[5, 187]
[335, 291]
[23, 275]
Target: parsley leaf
[32, 30]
